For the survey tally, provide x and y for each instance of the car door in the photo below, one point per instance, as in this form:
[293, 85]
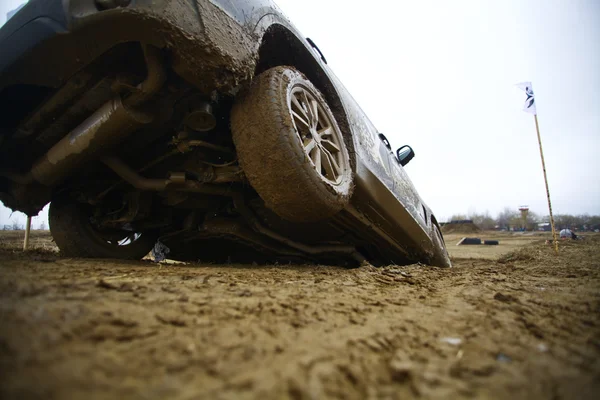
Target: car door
[405, 191]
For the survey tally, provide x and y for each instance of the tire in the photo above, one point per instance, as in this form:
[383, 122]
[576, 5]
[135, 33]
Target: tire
[471, 240]
[75, 235]
[279, 145]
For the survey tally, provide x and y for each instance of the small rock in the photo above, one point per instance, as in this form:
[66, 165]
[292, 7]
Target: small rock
[401, 371]
[505, 298]
[106, 285]
[503, 358]
[542, 347]
[171, 320]
[451, 340]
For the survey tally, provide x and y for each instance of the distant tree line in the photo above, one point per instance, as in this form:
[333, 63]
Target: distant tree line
[16, 225]
[511, 219]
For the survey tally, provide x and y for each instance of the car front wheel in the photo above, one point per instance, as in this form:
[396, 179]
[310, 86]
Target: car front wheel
[291, 147]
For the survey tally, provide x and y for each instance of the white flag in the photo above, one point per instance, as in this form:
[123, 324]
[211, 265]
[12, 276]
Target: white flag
[530, 101]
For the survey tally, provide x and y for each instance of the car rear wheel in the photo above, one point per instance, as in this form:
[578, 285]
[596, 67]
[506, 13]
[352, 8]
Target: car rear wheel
[77, 235]
[291, 147]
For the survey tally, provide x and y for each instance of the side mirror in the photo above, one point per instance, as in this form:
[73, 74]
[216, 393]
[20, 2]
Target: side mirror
[405, 154]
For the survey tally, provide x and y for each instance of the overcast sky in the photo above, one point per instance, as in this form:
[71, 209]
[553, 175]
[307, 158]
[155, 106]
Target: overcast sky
[440, 76]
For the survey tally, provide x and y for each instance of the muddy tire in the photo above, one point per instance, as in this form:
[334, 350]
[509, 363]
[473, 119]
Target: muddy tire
[290, 146]
[75, 235]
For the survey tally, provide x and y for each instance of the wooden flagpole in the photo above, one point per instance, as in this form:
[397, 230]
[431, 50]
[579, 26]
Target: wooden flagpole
[537, 128]
[27, 231]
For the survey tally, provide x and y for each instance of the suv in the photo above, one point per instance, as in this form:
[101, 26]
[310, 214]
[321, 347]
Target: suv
[212, 127]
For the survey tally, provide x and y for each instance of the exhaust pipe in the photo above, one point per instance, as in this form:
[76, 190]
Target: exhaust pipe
[105, 128]
[110, 124]
[176, 181]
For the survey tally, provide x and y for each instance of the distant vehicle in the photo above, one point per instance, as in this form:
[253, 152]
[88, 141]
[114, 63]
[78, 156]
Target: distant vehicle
[211, 126]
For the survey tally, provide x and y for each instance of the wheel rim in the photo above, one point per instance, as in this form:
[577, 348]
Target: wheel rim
[117, 237]
[320, 137]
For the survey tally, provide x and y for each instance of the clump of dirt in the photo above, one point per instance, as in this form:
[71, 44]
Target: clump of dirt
[570, 252]
[517, 255]
[461, 228]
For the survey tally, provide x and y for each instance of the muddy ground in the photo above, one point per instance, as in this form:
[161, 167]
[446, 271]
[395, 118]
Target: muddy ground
[520, 325]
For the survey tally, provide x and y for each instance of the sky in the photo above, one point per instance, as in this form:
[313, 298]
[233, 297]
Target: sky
[440, 76]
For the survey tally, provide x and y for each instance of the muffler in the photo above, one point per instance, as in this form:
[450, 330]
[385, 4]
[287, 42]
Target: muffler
[99, 133]
[105, 128]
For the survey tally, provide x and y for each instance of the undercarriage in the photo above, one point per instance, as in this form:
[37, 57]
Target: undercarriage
[153, 158]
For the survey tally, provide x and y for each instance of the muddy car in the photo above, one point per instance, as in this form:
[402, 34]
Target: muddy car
[213, 128]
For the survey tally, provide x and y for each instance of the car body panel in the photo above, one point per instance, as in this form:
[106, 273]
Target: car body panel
[389, 176]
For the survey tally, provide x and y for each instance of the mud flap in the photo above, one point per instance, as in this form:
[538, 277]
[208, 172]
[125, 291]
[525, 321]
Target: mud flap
[160, 251]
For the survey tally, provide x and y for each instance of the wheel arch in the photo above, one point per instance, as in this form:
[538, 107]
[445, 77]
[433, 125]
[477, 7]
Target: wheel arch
[280, 46]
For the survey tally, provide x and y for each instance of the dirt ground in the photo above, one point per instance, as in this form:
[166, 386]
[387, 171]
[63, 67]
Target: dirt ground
[507, 242]
[509, 321]
[467, 228]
